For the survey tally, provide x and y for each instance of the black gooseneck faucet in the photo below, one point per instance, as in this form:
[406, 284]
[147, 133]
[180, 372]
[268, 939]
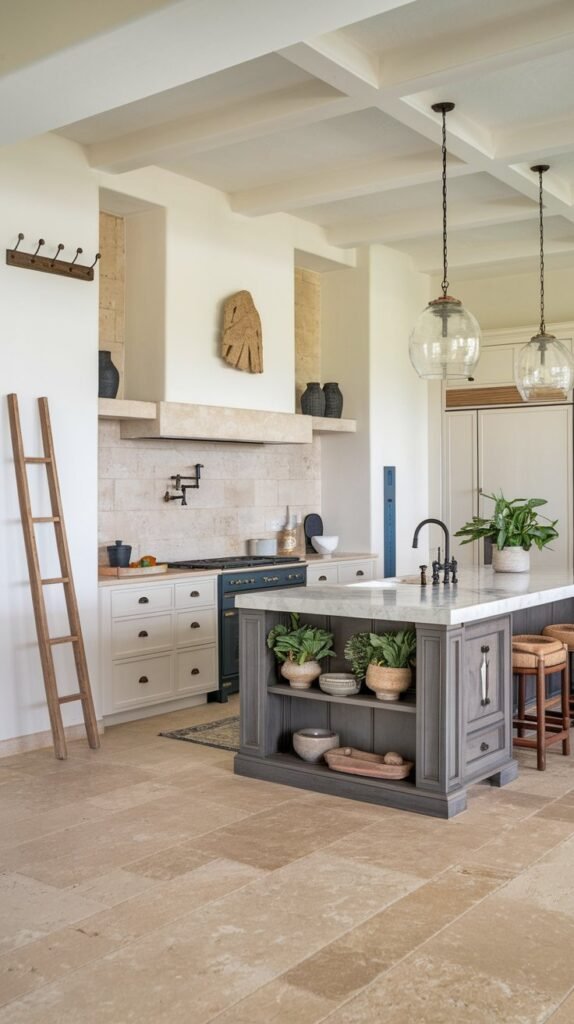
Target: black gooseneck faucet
[449, 565]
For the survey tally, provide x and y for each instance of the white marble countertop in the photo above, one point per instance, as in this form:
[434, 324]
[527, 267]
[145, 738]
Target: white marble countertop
[480, 594]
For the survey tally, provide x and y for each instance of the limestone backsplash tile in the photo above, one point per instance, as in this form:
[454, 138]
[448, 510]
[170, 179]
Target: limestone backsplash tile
[243, 493]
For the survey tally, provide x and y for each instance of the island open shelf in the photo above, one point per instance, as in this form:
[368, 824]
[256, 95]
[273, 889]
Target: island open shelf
[456, 726]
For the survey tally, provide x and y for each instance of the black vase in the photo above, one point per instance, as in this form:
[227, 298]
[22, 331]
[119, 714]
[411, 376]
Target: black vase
[109, 377]
[333, 400]
[119, 554]
[313, 400]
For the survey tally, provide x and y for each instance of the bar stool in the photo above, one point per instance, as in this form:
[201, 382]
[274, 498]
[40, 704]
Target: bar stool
[564, 631]
[540, 657]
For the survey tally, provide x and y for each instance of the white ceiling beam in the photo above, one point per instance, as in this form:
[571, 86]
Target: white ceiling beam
[163, 49]
[407, 225]
[535, 142]
[295, 107]
[461, 257]
[346, 182]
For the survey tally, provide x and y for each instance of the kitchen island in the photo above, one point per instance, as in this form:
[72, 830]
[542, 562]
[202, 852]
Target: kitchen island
[456, 722]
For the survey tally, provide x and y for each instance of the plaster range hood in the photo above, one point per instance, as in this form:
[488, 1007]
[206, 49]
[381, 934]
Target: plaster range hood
[179, 421]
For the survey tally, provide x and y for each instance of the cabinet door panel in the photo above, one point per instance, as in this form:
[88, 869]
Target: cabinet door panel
[196, 627]
[354, 572]
[527, 453]
[145, 681]
[322, 574]
[485, 669]
[460, 479]
[135, 636]
[196, 671]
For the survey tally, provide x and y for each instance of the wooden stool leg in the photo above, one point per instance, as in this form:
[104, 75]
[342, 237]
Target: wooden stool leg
[521, 703]
[540, 716]
[566, 704]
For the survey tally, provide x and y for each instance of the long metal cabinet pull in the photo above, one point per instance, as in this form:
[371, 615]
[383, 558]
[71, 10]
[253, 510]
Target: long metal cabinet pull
[485, 699]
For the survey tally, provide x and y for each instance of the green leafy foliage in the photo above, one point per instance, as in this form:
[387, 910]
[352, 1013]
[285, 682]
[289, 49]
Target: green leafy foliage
[392, 650]
[300, 642]
[513, 524]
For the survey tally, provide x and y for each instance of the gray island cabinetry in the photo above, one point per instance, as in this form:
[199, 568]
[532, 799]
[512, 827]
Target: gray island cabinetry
[456, 721]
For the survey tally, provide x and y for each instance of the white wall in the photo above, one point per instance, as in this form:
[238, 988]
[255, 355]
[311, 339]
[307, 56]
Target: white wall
[512, 300]
[398, 400]
[48, 327]
[211, 253]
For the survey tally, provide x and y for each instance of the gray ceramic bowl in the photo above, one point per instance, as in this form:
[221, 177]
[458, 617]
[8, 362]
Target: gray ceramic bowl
[311, 744]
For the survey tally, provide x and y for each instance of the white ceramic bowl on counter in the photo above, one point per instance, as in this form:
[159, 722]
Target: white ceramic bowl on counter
[324, 545]
[311, 744]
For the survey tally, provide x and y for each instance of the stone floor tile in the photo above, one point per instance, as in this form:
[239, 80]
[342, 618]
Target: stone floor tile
[277, 1003]
[31, 909]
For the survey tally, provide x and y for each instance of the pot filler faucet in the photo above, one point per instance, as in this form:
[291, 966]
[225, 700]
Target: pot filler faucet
[450, 565]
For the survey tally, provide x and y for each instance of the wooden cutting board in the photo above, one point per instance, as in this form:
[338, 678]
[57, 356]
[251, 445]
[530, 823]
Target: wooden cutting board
[143, 570]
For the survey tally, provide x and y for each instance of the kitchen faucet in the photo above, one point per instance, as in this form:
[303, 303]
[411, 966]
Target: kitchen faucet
[450, 565]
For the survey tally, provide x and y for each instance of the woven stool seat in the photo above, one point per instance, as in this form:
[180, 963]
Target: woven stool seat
[539, 657]
[563, 631]
[527, 649]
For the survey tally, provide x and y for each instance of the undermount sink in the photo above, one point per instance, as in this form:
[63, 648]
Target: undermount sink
[390, 582]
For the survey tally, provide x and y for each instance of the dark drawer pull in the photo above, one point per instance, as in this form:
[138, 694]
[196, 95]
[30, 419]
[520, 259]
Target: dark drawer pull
[194, 593]
[322, 579]
[484, 698]
[194, 625]
[195, 671]
[484, 746]
[359, 572]
[143, 600]
[143, 679]
[143, 632]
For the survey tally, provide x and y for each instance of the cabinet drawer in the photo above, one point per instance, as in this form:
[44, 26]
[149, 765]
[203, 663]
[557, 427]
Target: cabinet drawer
[322, 574]
[482, 746]
[198, 626]
[136, 636]
[141, 601]
[141, 682]
[195, 593]
[487, 672]
[353, 572]
[196, 671]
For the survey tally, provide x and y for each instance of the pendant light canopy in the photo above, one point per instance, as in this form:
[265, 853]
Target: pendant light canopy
[445, 340]
[543, 369]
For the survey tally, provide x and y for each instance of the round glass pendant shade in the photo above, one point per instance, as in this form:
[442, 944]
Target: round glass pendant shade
[544, 369]
[445, 341]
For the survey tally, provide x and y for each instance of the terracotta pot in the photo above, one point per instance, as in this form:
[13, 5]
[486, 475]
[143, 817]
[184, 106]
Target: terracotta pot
[510, 560]
[388, 683]
[300, 676]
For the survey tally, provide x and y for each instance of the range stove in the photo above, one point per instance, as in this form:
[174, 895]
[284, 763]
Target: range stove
[235, 562]
[238, 574]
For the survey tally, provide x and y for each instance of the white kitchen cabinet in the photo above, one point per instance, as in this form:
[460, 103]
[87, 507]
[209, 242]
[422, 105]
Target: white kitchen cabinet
[158, 643]
[525, 452]
[343, 571]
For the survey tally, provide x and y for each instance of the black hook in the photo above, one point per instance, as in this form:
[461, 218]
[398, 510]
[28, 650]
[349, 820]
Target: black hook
[20, 239]
[97, 257]
[41, 242]
[78, 253]
[57, 253]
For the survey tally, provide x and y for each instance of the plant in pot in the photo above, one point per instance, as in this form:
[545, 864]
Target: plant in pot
[513, 528]
[300, 648]
[384, 661]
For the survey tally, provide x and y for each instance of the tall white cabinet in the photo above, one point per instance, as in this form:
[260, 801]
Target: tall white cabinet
[522, 451]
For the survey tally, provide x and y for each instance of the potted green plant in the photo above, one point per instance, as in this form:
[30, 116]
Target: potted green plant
[299, 648]
[513, 528]
[384, 661]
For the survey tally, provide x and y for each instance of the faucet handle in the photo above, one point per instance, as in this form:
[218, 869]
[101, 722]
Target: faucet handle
[423, 569]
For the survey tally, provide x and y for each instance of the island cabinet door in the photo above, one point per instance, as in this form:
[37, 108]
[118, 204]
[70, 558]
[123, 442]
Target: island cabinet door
[439, 707]
[486, 670]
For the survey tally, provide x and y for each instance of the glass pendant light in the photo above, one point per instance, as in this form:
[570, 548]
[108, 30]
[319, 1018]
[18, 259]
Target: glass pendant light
[543, 369]
[445, 340]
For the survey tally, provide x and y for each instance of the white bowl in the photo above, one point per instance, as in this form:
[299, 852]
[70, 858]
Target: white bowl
[324, 545]
[339, 684]
[311, 744]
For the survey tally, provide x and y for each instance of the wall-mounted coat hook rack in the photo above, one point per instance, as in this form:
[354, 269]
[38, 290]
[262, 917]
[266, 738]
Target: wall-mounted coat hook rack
[50, 264]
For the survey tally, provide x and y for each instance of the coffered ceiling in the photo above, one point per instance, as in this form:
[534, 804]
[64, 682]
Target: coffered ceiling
[289, 108]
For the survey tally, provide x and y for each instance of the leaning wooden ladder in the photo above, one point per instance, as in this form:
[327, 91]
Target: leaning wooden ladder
[45, 641]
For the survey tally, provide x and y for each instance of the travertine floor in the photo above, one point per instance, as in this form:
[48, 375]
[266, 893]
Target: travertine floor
[146, 883]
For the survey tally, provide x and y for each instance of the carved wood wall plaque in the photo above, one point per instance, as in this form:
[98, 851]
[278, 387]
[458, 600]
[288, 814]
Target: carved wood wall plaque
[241, 339]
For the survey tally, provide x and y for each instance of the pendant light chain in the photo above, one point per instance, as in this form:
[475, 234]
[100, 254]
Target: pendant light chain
[540, 200]
[444, 226]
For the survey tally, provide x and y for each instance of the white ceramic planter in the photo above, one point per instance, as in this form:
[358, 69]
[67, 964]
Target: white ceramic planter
[510, 560]
[300, 676]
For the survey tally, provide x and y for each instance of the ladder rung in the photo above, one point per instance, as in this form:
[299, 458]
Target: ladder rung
[46, 519]
[56, 579]
[37, 458]
[63, 640]
[69, 697]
